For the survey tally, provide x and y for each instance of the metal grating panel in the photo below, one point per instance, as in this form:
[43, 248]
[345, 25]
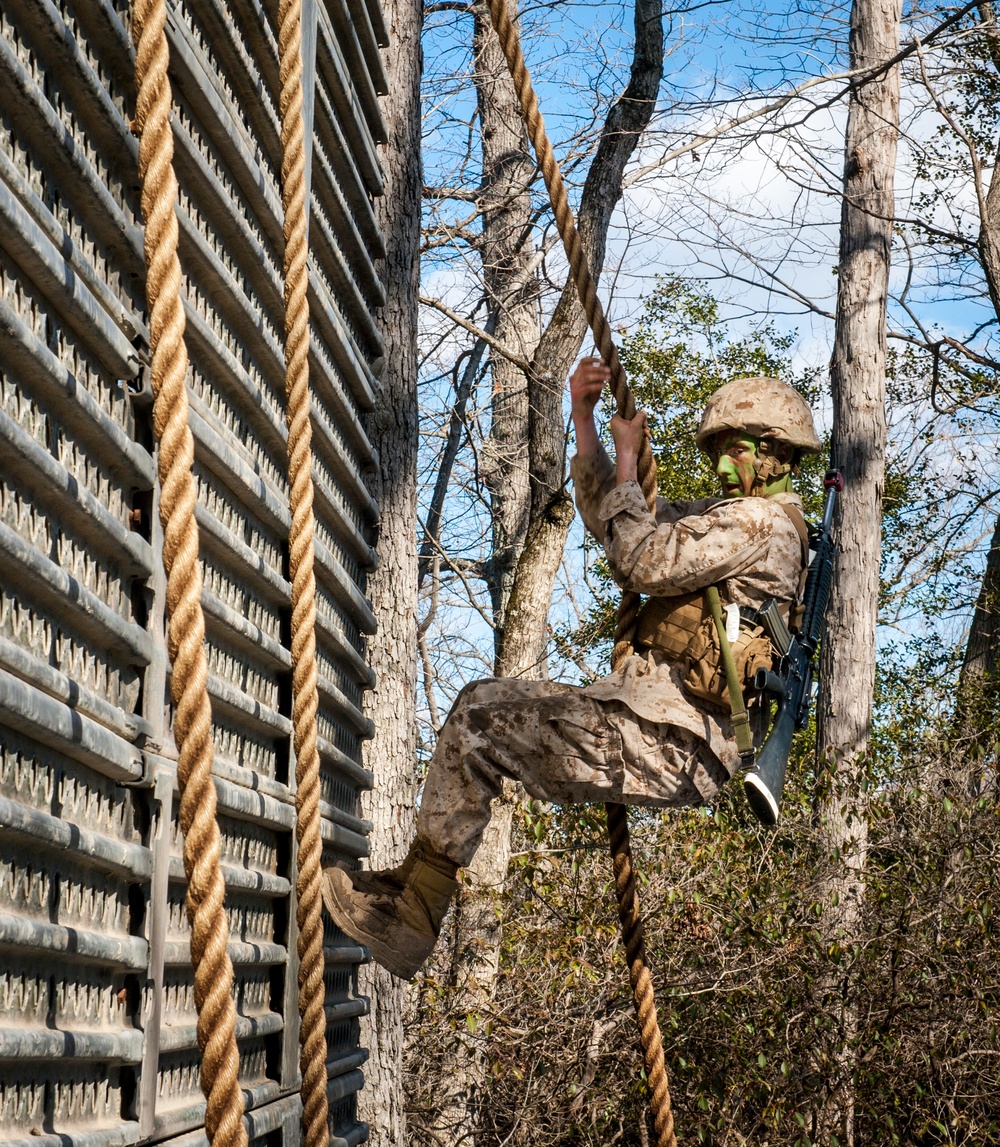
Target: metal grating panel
[97, 1037]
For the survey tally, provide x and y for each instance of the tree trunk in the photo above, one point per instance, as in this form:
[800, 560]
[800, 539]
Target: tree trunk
[976, 709]
[859, 438]
[530, 507]
[392, 427]
[505, 250]
[978, 691]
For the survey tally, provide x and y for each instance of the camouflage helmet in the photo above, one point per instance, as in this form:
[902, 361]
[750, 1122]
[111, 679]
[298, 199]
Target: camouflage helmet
[763, 407]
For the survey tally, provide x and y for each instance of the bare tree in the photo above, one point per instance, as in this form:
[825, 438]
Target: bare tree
[393, 430]
[858, 375]
[524, 463]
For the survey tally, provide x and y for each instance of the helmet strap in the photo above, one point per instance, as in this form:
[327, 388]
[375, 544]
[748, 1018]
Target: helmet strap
[767, 468]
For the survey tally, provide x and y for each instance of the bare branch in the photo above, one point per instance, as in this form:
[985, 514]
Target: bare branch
[465, 194]
[463, 389]
[854, 78]
[480, 334]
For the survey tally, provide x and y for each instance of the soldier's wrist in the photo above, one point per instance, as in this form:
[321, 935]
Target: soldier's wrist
[627, 469]
[585, 431]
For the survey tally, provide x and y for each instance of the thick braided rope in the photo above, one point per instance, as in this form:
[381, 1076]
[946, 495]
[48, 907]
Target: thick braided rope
[305, 693]
[213, 970]
[628, 609]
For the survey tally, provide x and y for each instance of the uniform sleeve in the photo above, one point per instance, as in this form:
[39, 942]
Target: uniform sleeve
[695, 551]
[674, 511]
[593, 479]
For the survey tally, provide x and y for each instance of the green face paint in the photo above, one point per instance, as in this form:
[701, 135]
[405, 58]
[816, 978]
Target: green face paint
[735, 457]
[782, 484]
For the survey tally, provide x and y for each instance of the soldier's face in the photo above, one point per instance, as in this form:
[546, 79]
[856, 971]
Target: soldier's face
[735, 457]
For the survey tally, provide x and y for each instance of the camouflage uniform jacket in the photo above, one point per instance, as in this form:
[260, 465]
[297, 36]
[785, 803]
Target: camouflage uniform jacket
[749, 544]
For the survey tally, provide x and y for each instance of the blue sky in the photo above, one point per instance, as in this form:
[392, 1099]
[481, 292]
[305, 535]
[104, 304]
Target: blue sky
[755, 218]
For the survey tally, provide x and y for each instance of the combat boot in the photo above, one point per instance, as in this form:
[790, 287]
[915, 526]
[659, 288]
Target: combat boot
[396, 913]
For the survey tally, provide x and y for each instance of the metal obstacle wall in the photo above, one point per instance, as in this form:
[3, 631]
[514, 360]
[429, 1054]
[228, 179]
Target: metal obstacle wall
[97, 1019]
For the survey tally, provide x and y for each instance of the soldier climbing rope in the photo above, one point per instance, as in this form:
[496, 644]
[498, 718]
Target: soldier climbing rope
[629, 911]
[429, 870]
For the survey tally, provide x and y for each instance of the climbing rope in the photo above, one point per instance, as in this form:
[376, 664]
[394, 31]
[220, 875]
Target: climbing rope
[213, 970]
[305, 693]
[628, 609]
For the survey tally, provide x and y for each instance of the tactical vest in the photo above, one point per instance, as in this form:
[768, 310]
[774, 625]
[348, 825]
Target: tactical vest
[669, 623]
[682, 628]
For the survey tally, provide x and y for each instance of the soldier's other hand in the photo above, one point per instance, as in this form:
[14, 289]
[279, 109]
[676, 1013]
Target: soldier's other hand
[629, 435]
[586, 384]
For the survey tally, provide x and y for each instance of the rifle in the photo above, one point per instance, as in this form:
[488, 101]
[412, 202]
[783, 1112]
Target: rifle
[791, 684]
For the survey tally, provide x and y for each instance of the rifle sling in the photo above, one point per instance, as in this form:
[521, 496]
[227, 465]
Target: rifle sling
[801, 528]
[741, 719]
[797, 520]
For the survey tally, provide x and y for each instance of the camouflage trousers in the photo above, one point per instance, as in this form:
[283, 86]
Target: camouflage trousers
[564, 747]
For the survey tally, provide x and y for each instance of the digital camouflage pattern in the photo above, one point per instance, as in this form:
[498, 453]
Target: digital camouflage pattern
[764, 407]
[563, 746]
[634, 737]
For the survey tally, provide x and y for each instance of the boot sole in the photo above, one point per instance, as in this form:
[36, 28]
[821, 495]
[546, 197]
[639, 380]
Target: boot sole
[337, 891]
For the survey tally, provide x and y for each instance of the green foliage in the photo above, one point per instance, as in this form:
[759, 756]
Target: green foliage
[676, 357]
[752, 984]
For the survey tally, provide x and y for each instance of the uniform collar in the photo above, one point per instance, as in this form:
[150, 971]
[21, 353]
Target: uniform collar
[787, 498]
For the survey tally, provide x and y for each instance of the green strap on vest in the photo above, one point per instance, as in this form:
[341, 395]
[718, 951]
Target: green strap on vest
[741, 719]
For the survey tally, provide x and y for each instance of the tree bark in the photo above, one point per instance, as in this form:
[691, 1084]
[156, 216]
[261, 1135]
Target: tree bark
[859, 438]
[511, 292]
[392, 428]
[979, 681]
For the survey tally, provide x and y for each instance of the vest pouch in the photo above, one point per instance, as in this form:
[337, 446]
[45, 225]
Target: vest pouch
[670, 624]
[704, 676]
